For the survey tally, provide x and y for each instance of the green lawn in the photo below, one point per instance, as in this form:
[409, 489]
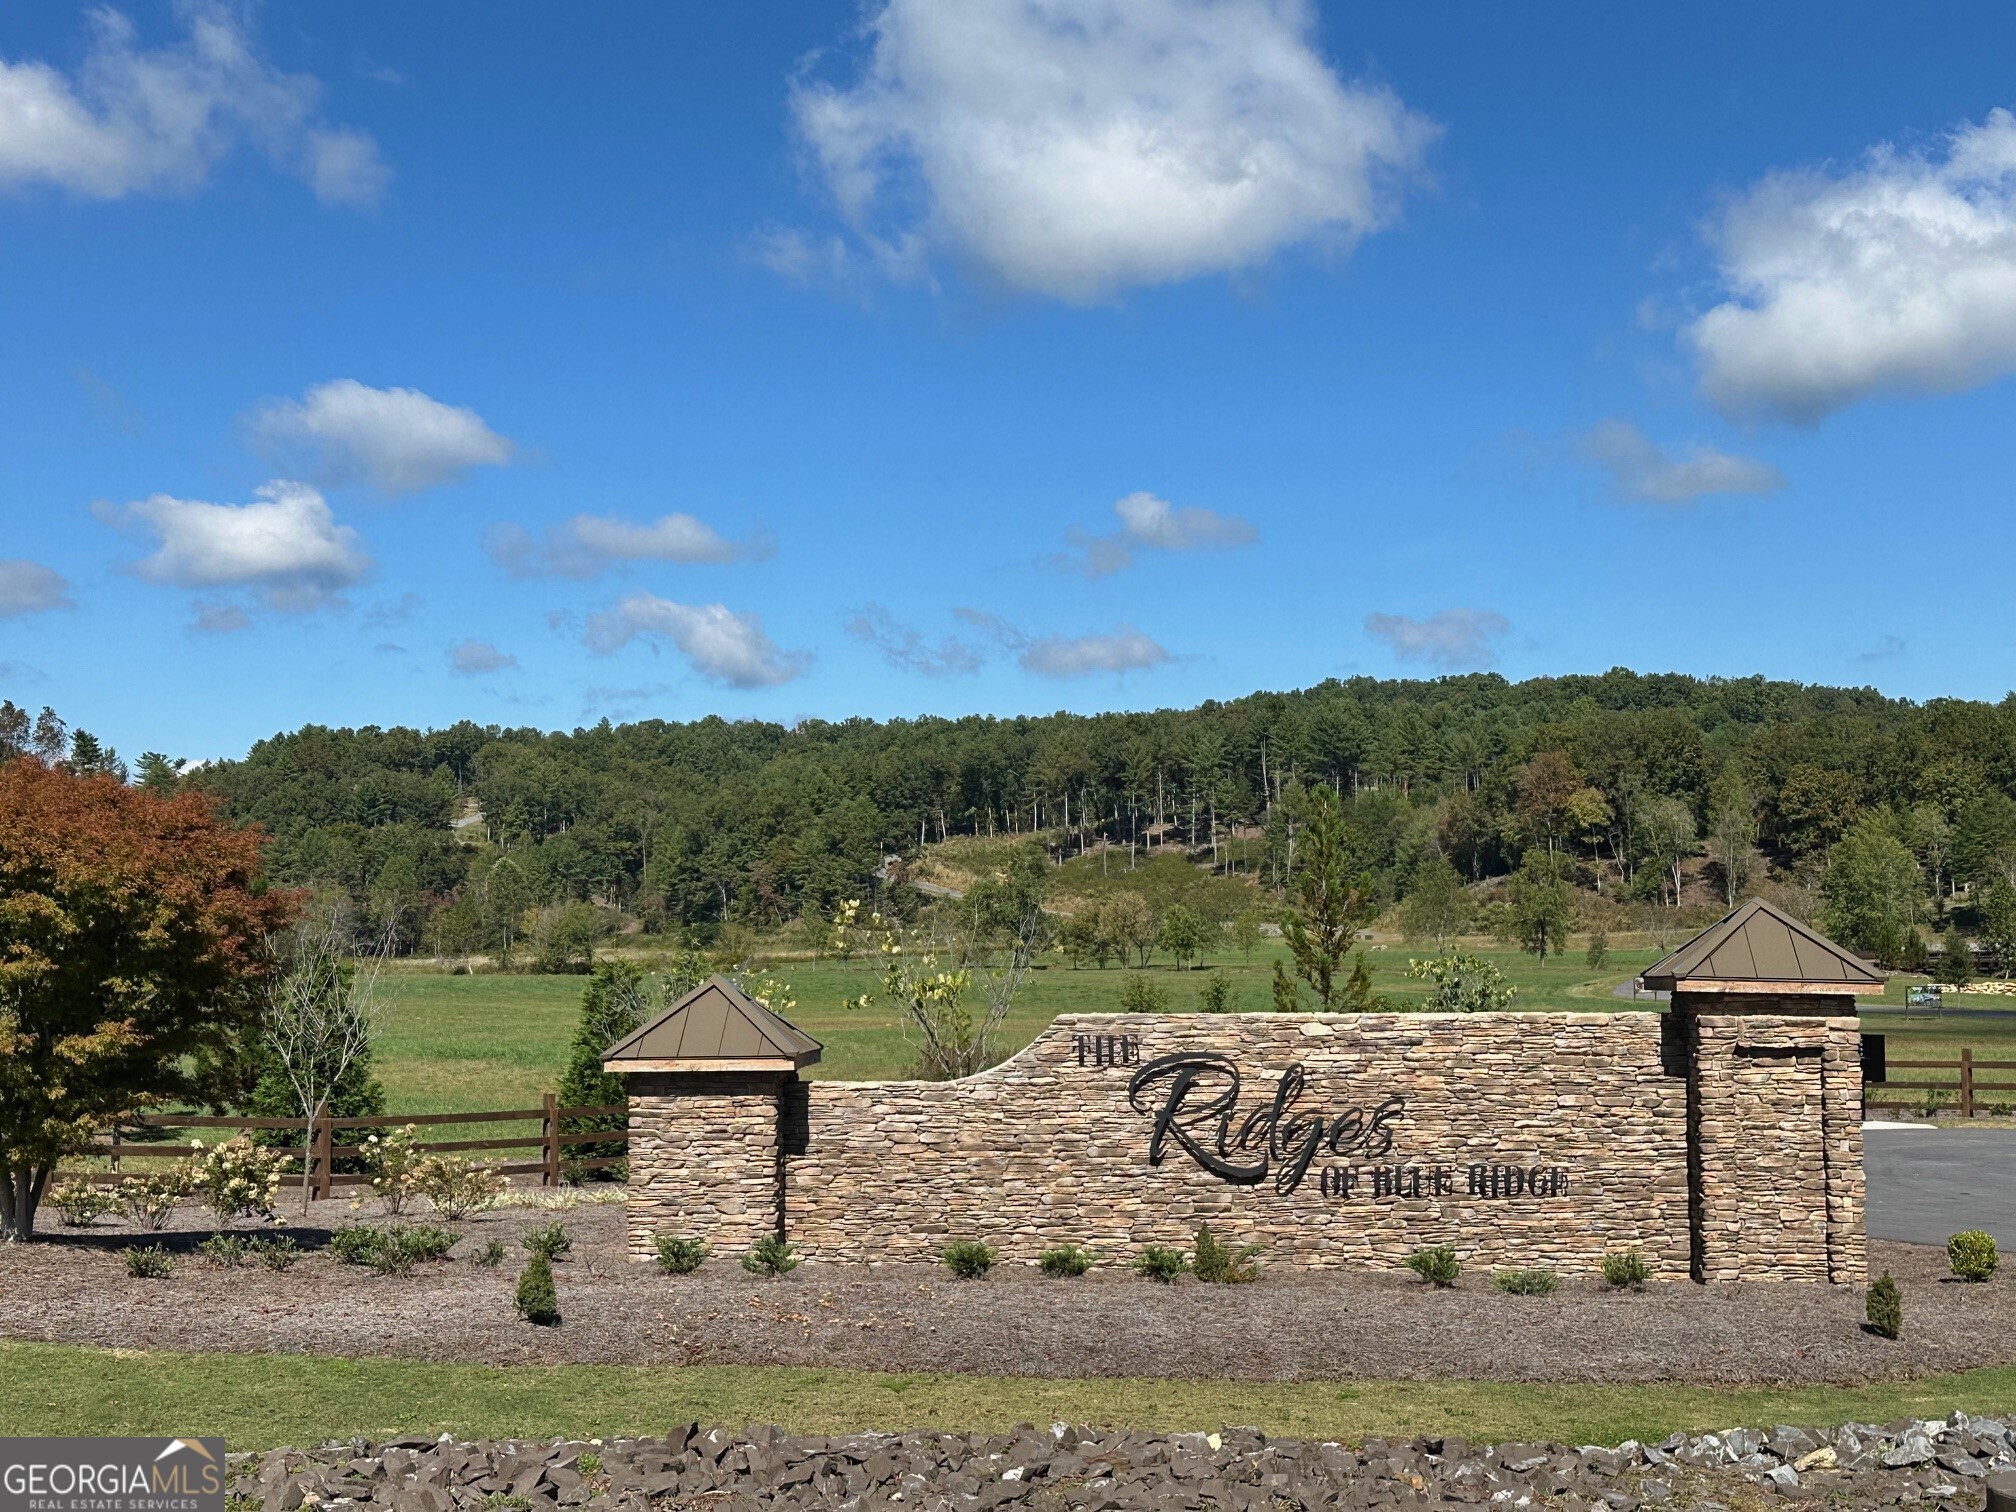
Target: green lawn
[259, 1401]
[495, 1041]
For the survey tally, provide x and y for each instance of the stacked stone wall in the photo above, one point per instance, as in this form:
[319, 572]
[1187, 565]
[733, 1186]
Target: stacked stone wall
[1528, 1139]
[1780, 1146]
[704, 1158]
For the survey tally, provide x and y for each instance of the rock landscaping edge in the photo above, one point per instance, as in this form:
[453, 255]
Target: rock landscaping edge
[1858, 1464]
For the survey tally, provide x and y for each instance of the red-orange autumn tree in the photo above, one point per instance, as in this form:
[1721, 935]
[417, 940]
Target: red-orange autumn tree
[132, 935]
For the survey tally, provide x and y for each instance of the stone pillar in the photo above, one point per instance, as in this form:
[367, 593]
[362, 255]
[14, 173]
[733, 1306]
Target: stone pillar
[1774, 1135]
[706, 1158]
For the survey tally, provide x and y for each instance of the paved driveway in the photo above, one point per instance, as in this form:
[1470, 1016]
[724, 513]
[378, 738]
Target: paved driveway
[1925, 1184]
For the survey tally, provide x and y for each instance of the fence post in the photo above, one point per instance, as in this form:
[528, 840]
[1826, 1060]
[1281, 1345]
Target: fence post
[1967, 1082]
[115, 1149]
[321, 1160]
[549, 1131]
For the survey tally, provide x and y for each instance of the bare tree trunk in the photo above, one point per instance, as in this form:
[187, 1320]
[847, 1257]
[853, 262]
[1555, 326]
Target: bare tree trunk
[20, 1195]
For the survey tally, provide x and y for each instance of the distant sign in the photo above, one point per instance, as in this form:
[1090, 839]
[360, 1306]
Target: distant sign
[1928, 996]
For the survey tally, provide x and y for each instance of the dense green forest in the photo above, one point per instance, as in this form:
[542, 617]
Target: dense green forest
[1890, 819]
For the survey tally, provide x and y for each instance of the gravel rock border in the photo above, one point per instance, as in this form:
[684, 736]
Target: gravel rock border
[1859, 1465]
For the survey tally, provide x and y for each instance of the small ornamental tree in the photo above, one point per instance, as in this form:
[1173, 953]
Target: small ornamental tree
[132, 941]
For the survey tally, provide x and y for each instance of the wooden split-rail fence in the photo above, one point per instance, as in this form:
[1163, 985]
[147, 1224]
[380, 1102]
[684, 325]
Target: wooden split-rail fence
[319, 1151]
[1967, 1092]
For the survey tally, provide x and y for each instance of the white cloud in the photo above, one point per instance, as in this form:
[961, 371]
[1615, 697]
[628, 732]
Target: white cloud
[1458, 640]
[472, 658]
[397, 611]
[219, 619]
[1122, 649]
[1640, 470]
[1125, 649]
[287, 550]
[588, 545]
[1898, 275]
[1154, 524]
[722, 646]
[399, 438]
[1079, 147]
[904, 648]
[134, 119]
[29, 588]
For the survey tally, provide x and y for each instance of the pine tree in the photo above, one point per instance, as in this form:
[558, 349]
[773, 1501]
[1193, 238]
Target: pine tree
[613, 1004]
[1330, 905]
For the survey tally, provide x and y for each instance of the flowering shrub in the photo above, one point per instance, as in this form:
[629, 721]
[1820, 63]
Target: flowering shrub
[458, 1187]
[936, 1002]
[149, 1200]
[395, 1167]
[845, 918]
[772, 993]
[237, 1178]
[1463, 984]
[80, 1202]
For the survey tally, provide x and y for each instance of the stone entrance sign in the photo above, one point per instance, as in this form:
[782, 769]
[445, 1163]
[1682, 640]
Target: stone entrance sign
[1721, 1139]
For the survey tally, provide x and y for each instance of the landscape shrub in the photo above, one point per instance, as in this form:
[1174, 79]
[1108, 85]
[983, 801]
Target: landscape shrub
[491, 1255]
[148, 1263]
[769, 1256]
[550, 1241]
[1217, 995]
[396, 1168]
[537, 1300]
[81, 1202]
[237, 1179]
[355, 1243]
[1223, 1264]
[278, 1254]
[1971, 1254]
[458, 1187]
[392, 1250]
[1886, 1308]
[1064, 1260]
[679, 1257]
[1159, 1263]
[1626, 1269]
[227, 1250]
[1140, 995]
[1526, 1283]
[423, 1241]
[968, 1259]
[149, 1201]
[1436, 1264]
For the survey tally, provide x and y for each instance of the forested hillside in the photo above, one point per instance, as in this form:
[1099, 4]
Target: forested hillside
[1640, 791]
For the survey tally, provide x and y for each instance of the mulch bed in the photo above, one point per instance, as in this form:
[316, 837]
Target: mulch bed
[71, 1286]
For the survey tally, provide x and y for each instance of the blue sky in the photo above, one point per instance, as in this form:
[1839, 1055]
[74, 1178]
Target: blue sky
[382, 363]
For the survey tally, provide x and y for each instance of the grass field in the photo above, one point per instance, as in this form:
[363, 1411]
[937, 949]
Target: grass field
[495, 1040]
[259, 1401]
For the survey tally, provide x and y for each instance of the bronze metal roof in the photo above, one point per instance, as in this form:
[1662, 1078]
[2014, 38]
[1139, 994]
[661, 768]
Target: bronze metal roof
[715, 1027]
[1765, 948]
